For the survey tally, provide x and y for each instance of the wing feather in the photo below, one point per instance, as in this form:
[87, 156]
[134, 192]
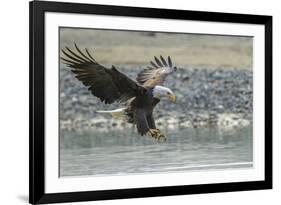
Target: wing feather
[109, 85]
[81, 53]
[77, 56]
[170, 61]
[158, 61]
[68, 62]
[73, 58]
[163, 61]
[157, 74]
[153, 64]
[90, 55]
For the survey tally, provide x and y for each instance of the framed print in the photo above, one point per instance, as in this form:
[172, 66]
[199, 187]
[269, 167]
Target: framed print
[140, 102]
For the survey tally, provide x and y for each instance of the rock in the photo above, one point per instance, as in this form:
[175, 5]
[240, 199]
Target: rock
[232, 120]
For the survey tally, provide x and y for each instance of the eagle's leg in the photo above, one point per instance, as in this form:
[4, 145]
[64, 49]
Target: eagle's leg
[155, 133]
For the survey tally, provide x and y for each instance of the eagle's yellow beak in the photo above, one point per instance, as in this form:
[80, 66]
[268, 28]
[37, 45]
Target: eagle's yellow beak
[172, 97]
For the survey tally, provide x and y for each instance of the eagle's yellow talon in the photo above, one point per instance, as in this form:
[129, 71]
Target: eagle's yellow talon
[160, 137]
[154, 133]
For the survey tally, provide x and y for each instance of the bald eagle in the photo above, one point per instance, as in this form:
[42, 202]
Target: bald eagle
[111, 85]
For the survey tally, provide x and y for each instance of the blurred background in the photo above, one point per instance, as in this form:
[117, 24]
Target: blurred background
[209, 127]
[129, 47]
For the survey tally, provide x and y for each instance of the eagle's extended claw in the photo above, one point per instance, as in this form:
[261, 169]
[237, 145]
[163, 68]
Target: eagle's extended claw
[154, 133]
[160, 136]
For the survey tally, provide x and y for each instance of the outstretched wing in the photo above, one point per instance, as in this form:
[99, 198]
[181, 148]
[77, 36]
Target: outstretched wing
[109, 85]
[156, 73]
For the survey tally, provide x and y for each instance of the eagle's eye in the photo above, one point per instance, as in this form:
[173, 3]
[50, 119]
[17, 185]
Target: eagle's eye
[167, 93]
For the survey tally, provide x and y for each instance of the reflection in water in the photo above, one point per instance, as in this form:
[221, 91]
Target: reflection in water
[90, 152]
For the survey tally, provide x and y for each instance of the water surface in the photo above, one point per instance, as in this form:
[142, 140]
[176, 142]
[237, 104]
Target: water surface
[91, 152]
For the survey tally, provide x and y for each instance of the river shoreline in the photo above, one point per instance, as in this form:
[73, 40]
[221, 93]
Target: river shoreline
[205, 98]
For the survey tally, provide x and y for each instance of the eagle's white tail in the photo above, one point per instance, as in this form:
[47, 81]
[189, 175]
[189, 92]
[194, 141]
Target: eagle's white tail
[117, 113]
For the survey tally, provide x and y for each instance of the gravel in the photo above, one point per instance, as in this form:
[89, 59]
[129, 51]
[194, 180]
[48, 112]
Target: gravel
[205, 97]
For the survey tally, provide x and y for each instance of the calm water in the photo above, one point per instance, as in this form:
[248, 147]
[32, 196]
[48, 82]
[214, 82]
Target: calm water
[89, 152]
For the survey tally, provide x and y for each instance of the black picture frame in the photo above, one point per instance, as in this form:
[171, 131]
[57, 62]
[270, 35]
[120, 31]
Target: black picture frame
[37, 194]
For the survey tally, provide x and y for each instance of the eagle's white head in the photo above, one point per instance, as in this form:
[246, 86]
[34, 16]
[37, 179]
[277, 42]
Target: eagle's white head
[161, 91]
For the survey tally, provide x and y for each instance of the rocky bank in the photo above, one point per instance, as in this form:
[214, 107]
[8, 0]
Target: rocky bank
[205, 97]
